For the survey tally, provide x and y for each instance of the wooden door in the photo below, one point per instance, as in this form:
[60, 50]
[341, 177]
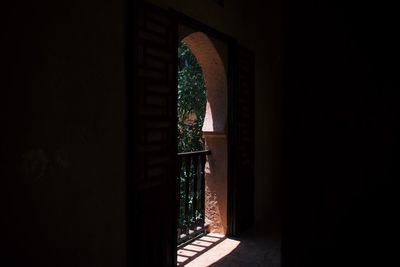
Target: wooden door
[152, 154]
[241, 140]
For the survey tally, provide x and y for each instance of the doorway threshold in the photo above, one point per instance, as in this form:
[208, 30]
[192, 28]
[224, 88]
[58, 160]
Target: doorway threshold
[199, 247]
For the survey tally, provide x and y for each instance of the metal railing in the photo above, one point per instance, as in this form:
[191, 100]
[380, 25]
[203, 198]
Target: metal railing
[191, 194]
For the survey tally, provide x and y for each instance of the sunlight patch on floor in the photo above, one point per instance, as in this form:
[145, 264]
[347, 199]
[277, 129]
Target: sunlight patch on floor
[215, 246]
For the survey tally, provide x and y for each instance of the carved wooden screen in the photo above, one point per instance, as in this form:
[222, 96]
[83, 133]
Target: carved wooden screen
[152, 89]
[242, 140]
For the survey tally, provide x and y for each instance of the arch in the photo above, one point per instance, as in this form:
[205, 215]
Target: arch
[215, 80]
[214, 130]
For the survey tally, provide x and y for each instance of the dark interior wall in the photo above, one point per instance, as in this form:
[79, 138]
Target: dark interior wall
[341, 114]
[63, 134]
[256, 25]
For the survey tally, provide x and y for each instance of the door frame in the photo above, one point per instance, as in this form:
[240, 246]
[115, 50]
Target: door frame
[182, 19]
[132, 119]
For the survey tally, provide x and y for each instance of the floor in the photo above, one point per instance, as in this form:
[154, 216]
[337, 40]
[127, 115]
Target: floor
[254, 248]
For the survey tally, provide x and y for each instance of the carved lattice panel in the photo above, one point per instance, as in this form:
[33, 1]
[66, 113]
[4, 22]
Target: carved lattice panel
[151, 181]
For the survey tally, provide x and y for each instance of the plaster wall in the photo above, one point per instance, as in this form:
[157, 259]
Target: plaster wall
[63, 134]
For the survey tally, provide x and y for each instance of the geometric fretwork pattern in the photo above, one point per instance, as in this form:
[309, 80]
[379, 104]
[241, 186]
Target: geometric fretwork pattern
[153, 180]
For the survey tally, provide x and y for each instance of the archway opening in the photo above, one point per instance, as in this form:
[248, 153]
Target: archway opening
[213, 134]
[191, 107]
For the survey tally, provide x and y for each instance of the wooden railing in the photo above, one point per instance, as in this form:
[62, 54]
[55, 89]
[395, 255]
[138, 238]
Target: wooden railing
[191, 194]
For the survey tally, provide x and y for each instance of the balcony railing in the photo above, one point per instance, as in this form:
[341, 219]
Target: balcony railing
[191, 195]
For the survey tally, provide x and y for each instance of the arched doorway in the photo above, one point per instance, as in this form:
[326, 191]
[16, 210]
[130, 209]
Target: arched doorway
[151, 131]
[214, 131]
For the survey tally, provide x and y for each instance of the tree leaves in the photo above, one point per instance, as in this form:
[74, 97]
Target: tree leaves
[191, 99]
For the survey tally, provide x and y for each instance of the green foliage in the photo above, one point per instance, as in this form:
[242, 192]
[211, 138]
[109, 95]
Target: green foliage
[191, 110]
[191, 98]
